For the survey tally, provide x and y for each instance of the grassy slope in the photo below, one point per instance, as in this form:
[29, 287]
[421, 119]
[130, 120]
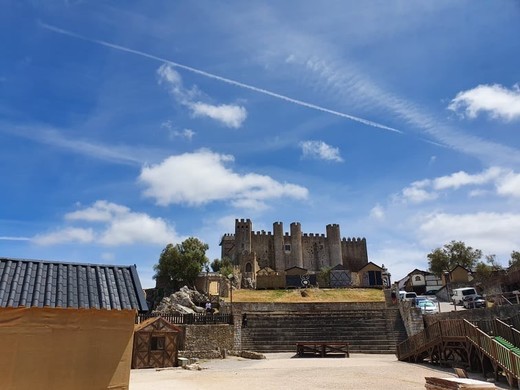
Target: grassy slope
[313, 295]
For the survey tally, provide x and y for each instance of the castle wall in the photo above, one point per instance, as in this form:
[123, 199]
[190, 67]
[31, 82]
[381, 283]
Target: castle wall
[315, 252]
[281, 250]
[262, 244]
[354, 253]
[334, 245]
[296, 245]
[278, 243]
[243, 230]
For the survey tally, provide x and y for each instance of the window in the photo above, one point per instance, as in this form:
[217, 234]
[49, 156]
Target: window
[417, 278]
[157, 343]
[249, 267]
[287, 247]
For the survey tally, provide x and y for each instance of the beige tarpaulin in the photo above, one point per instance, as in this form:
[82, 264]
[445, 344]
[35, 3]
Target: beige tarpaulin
[71, 349]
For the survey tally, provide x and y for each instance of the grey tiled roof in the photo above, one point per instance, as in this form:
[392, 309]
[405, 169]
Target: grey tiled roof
[37, 283]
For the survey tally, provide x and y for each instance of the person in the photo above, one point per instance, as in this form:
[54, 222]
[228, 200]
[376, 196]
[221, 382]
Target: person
[394, 297]
[208, 307]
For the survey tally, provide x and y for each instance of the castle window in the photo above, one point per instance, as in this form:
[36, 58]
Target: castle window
[287, 247]
[417, 278]
[249, 267]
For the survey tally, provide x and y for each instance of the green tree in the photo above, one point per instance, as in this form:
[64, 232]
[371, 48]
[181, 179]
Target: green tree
[514, 261]
[226, 267]
[485, 272]
[455, 253]
[180, 264]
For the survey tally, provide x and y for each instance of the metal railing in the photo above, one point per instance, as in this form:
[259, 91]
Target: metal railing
[189, 319]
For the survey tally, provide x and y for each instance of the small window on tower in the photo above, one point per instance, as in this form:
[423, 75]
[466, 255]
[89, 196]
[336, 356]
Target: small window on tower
[287, 247]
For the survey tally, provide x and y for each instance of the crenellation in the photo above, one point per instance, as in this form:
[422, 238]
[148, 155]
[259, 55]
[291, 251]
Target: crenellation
[281, 250]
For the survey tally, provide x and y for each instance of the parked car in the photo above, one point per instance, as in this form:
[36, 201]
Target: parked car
[419, 298]
[431, 292]
[473, 302]
[460, 293]
[407, 296]
[428, 307]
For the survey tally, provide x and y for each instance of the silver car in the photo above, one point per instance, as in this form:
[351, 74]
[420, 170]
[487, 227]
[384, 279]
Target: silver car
[473, 302]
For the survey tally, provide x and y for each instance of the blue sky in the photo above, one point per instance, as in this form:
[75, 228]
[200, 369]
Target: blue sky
[126, 126]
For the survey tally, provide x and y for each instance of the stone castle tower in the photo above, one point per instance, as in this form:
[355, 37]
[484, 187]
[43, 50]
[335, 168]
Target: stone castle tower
[280, 250]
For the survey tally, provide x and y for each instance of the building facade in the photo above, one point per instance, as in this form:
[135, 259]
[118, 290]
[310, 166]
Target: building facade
[279, 250]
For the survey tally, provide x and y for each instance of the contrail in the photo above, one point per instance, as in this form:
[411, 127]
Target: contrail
[220, 78]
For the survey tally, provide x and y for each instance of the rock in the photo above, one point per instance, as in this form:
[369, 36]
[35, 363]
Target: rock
[181, 302]
[252, 355]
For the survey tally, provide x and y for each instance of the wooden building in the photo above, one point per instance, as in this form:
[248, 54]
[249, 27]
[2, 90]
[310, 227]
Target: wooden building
[267, 278]
[67, 325]
[155, 344]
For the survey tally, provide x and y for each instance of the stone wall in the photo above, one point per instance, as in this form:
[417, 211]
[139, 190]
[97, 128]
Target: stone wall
[501, 312]
[206, 341]
[412, 318]
[239, 308]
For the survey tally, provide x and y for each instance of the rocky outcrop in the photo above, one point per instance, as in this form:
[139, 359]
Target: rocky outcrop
[182, 302]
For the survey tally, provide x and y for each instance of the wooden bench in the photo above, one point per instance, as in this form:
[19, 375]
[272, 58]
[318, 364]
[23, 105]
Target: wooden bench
[322, 349]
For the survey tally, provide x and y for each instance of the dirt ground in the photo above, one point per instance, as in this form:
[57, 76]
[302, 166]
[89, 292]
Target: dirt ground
[285, 372]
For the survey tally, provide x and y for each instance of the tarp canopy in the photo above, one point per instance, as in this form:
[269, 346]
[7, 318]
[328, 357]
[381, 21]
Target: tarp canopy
[53, 348]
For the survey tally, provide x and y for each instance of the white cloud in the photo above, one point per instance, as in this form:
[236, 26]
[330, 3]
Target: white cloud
[320, 150]
[494, 233]
[461, 178]
[185, 133]
[417, 192]
[509, 185]
[202, 177]
[66, 235]
[377, 212]
[228, 114]
[101, 211]
[506, 182]
[115, 225]
[495, 99]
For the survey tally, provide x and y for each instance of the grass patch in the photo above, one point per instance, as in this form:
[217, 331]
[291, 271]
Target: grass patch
[313, 295]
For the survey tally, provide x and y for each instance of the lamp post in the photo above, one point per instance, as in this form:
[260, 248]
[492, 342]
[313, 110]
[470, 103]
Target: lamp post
[230, 279]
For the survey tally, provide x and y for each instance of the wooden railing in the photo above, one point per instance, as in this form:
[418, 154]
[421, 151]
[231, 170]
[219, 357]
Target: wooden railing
[189, 319]
[498, 353]
[507, 359]
[507, 331]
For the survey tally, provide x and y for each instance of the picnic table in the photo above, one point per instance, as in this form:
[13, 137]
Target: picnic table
[322, 349]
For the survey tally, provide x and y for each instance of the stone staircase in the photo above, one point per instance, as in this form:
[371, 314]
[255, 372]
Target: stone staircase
[376, 330]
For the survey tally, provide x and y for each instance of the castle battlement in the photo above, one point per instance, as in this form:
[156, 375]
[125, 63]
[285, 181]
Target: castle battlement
[280, 249]
[354, 239]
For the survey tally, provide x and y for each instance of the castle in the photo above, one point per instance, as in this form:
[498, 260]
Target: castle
[280, 251]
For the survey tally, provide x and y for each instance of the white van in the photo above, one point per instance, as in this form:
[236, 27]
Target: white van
[407, 296]
[460, 293]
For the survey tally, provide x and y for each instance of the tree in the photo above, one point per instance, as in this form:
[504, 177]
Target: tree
[455, 253]
[485, 272]
[180, 264]
[224, 266]
[514, 261]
